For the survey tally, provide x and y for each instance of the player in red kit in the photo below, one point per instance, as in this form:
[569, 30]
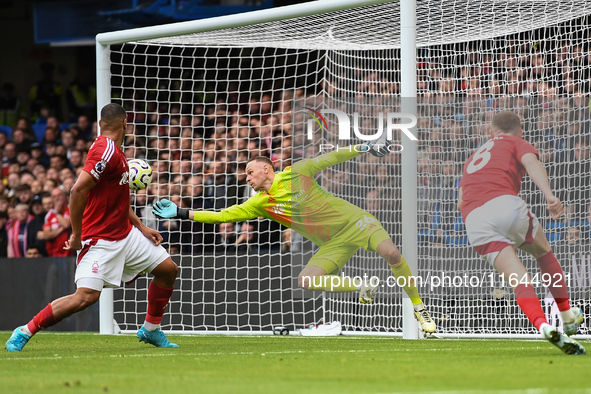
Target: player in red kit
[497, 220]
[113, 245]
[57, 224]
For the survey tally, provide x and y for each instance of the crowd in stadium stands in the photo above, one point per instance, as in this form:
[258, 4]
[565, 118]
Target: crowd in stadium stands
[198, 152]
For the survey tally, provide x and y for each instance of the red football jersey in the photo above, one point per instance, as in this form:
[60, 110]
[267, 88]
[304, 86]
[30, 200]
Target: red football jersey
[493, 170]
[55, 247]
[107, 211]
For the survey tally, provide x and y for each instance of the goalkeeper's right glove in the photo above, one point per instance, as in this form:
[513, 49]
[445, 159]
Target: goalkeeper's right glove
[166, 209]
[378, 148]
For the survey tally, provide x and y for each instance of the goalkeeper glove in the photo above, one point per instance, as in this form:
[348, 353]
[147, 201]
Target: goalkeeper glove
[378, 148]
[166, 209]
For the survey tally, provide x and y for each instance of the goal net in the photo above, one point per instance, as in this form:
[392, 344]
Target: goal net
[201, 104]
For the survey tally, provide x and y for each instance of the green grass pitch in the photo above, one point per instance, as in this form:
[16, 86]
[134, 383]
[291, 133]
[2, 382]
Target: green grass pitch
[91, 363]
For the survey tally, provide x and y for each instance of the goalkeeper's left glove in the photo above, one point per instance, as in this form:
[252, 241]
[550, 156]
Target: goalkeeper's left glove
[378, 147]
[166, 209]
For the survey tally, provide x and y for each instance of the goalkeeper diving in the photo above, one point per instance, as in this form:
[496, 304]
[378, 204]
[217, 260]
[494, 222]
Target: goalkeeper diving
[293, 198]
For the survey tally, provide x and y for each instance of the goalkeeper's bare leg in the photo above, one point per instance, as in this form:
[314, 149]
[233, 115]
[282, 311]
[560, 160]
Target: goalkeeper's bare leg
[401, 270]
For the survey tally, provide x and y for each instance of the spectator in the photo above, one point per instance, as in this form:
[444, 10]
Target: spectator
[572, 180]
[3, 233]
[58, 162]
[51, 137]
[36, 187]
[286, 240]
[23, 194]
[248, 236]
[45, 94]
[38, 154]
[66, 173]
[220, 189]
[194, 191]
[4, 203]
[76, 159]
[17, 231]
[39, 207]
[68, 184]
[3, 139]
[27, 178]
[33, 252]
[57, 225]
[81, 95]
[11, 106]
[21, 140]
[85, 126]
[8, 156]
[573, 235]
[68, 141]
[226, 235]
[49, 185]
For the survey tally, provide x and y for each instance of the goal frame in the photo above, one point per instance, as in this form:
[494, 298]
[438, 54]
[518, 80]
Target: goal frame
[107, 324]
[408, 91]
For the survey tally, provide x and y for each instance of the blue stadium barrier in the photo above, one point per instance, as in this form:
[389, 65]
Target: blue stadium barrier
[554, 237]
[6, 129]
[39, 129]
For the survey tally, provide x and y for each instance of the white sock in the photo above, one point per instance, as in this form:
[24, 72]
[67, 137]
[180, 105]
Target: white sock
[542, 328]
[419, 307]
[568, 316]
[151, 326]
[25, 330]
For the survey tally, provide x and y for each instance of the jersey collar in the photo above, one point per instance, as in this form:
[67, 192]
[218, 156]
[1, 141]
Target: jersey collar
[275, 185]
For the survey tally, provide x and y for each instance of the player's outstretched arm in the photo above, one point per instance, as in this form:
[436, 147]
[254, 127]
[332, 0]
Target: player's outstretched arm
[166, 209]
[379, 147]
[538, 174]
[310, 167]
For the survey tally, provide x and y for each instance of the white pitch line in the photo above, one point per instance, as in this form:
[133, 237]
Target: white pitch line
[175, 354]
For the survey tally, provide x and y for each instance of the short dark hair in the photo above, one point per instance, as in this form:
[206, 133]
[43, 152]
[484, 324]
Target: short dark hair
[263, 159]
[113, 112]
[507, 122]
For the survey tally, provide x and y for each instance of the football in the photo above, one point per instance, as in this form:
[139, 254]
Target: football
[140, 174]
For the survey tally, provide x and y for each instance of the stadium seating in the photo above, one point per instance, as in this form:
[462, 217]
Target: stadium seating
[6, 129]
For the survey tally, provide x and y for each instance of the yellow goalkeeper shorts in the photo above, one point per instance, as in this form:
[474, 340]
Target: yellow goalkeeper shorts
[366, 232]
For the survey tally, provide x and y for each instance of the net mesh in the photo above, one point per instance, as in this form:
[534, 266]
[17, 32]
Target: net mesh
[202, 104]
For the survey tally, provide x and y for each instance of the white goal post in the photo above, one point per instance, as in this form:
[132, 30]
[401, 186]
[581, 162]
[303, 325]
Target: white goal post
[189, 85]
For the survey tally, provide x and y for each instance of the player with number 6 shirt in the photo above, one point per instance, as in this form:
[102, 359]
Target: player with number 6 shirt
[498, 220]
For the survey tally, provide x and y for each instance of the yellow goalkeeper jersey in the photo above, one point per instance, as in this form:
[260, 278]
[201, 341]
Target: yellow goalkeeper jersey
[297, 201]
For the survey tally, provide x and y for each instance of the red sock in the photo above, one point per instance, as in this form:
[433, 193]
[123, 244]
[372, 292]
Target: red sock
[551, 270]
[528, 301]
[158, 298]
[42, 320]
